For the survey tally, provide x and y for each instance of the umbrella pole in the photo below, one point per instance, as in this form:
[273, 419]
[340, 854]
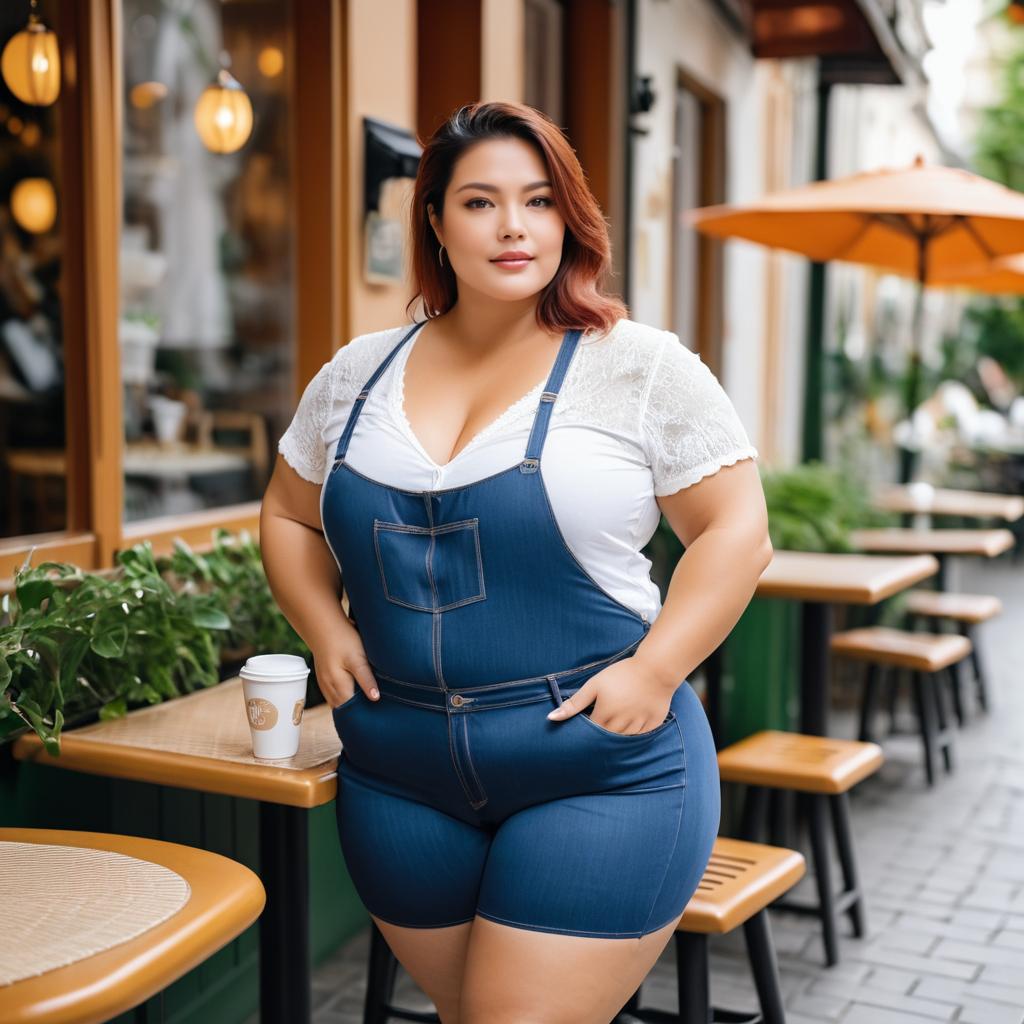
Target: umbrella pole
[907, 456]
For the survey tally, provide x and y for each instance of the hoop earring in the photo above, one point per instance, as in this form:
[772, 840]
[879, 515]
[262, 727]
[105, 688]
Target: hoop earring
[439, 251]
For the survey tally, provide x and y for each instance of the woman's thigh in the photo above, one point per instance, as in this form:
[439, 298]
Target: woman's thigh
[435, 959]
[515, 976]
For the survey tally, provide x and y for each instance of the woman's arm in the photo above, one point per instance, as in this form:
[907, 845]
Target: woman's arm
[305, 583]
[723, 522]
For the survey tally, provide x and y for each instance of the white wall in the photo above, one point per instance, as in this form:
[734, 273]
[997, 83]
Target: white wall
[691, 35]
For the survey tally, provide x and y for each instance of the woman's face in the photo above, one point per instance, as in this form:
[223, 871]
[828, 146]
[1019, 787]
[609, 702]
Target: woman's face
[499, 201]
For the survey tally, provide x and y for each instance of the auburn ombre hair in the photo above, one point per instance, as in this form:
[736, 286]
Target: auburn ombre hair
[573, 298]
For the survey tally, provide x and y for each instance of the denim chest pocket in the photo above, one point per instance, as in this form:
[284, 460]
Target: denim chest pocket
[430, 568]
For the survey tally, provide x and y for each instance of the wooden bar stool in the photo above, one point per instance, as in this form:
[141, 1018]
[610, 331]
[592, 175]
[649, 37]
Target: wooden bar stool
[825, 769]
[741, 879]
[927, 656]
[967, 611]
[739, 883]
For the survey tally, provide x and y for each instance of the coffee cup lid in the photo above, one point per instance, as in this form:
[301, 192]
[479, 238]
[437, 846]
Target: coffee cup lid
[268, 667]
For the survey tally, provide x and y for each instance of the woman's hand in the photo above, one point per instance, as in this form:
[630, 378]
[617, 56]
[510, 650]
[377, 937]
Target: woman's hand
[630, 698]
[341, 665]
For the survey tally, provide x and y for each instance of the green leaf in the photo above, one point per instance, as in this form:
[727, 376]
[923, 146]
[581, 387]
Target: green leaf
[33, 592]
[116, 708]
[110, 643]
[210, 618]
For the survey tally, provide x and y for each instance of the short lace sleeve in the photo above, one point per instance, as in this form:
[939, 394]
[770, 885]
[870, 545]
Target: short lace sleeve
[302, 444]
[690, 426]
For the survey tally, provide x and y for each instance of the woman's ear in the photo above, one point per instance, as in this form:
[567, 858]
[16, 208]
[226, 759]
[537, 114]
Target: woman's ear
[432, 217]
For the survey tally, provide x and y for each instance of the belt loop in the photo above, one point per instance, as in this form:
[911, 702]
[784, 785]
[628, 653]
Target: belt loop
[555, 692]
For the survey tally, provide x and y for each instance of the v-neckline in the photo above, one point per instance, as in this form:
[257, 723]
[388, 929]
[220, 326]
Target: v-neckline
[398, 405]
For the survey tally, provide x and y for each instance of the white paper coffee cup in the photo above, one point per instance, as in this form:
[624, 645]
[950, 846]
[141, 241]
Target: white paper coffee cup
[274, 690]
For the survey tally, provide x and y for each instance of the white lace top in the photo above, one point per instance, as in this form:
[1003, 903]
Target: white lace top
[639, 415]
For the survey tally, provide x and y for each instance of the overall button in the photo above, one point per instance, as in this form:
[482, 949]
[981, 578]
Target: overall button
[458, 700]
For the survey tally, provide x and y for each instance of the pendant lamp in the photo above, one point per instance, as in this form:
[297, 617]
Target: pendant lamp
[30, 63]
[223, 114]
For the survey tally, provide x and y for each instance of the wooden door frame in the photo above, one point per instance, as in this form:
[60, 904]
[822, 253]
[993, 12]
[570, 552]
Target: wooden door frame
[90, 33]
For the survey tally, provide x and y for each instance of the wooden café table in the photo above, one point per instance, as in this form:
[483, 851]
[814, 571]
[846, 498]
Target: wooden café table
[940, 543]
[201, 741]
[95, 924]
[940, 501]
[818, 581]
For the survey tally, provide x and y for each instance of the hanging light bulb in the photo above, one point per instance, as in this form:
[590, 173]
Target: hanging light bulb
[34, 205]
[30, 63]
[223, 114]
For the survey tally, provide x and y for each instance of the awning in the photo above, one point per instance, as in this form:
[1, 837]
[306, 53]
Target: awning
[858, 41]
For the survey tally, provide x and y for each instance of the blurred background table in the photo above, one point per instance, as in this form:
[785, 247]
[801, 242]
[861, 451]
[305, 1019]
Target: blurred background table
[939, 501]
[819, 580]
[980, 543]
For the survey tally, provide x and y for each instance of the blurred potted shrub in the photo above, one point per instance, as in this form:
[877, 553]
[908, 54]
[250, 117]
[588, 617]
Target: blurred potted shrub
[76, 644]
[811, 507]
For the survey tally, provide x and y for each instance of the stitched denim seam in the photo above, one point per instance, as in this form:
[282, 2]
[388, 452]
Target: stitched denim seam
[469, 759]
[462, 524]
[445, 490]
[557, 931]
[345, 703]
[629, 735]
[455, 763]
[679, 826]
[442, 707]
[524, 679]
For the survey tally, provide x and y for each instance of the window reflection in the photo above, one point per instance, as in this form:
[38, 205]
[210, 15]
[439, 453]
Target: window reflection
[32, 454]
[206, 257]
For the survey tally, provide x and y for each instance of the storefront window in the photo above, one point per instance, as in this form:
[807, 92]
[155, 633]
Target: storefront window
[32, 433]
[206, 251]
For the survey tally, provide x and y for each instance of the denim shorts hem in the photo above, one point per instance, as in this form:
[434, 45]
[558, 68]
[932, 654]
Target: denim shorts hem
[558, 931]
[406, 924]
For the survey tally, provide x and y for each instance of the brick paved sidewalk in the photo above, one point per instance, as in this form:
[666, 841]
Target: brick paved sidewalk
[943, 870]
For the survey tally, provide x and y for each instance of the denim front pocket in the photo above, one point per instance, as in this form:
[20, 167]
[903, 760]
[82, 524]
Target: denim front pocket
[430, 568]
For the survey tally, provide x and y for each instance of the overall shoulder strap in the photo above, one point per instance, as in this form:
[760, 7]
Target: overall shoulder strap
[535, 445]
[357, 405]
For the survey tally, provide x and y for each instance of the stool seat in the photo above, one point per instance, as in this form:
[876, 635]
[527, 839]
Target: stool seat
[922, 652]
[791, 760]
[970, 608]
[740, 880]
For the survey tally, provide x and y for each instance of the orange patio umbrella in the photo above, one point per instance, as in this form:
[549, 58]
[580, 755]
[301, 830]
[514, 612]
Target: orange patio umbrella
[925, 221]
[1004, 276]
[922, 221]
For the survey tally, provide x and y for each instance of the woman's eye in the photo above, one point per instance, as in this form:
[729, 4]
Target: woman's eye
[544, 200]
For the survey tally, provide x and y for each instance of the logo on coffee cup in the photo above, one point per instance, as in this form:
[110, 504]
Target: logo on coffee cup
[262, 713]
[297, 710]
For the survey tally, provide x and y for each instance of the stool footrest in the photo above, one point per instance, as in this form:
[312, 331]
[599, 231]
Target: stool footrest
[718, 1016]
[842, 901]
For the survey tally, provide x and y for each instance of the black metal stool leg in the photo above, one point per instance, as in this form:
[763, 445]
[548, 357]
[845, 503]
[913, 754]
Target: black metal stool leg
[956, 692]
[945, 732]
[980, 683]
[823, 878]
[839, 806]
[755, 806]
[380, 979]
[926, 725]
[692, 978]
[761, 951]
[869, 701]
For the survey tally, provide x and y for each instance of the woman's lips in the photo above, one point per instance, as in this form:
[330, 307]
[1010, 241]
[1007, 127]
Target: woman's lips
[512, 264]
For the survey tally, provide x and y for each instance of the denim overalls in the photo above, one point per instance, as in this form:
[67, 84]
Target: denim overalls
[457, 796]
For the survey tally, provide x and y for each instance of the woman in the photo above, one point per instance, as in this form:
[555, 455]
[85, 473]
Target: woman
[528, 790]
